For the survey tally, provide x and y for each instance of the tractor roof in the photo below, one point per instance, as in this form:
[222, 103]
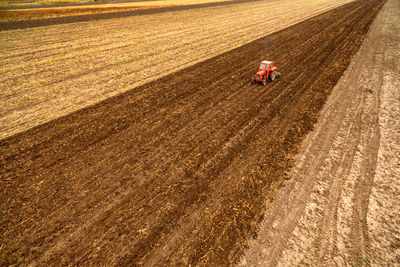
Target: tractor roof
[267, 62]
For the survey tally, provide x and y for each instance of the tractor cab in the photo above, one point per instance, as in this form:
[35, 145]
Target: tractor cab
[266, 65]
[265, 72]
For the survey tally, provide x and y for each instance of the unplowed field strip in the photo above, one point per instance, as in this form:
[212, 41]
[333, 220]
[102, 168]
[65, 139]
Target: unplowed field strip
[179, 170]
[113, 12]
[36, 12]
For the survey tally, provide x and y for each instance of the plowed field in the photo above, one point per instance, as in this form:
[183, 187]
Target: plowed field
[177, 171]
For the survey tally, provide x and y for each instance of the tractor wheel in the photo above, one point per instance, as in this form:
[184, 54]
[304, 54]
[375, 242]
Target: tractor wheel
[272, 76]
[264, 81]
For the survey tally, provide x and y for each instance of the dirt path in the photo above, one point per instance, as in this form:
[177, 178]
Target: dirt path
[47, 72]
[341, 205]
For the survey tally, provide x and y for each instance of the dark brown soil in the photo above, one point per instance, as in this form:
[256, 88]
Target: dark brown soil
[177, 171]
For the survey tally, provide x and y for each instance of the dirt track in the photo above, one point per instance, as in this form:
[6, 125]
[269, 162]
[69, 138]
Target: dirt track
[342, 205]
[178, 170]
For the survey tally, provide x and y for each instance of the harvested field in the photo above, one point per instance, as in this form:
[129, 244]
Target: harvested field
[74, 10]
[46, 72]
[179, 170]
[45, 13]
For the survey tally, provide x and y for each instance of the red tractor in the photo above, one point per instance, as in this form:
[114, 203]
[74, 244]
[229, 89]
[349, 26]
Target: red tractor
[265, 72]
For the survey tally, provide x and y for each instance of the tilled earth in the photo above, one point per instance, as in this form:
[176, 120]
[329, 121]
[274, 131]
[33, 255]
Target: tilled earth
[179, 170]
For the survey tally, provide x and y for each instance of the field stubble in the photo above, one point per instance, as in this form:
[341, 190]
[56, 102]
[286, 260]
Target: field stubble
[74, 9]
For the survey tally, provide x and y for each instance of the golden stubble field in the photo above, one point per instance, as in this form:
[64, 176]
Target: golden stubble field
[32, 12]
[47, 72]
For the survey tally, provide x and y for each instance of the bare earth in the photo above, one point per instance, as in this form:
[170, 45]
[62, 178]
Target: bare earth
[341, 206]
[50, 71]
